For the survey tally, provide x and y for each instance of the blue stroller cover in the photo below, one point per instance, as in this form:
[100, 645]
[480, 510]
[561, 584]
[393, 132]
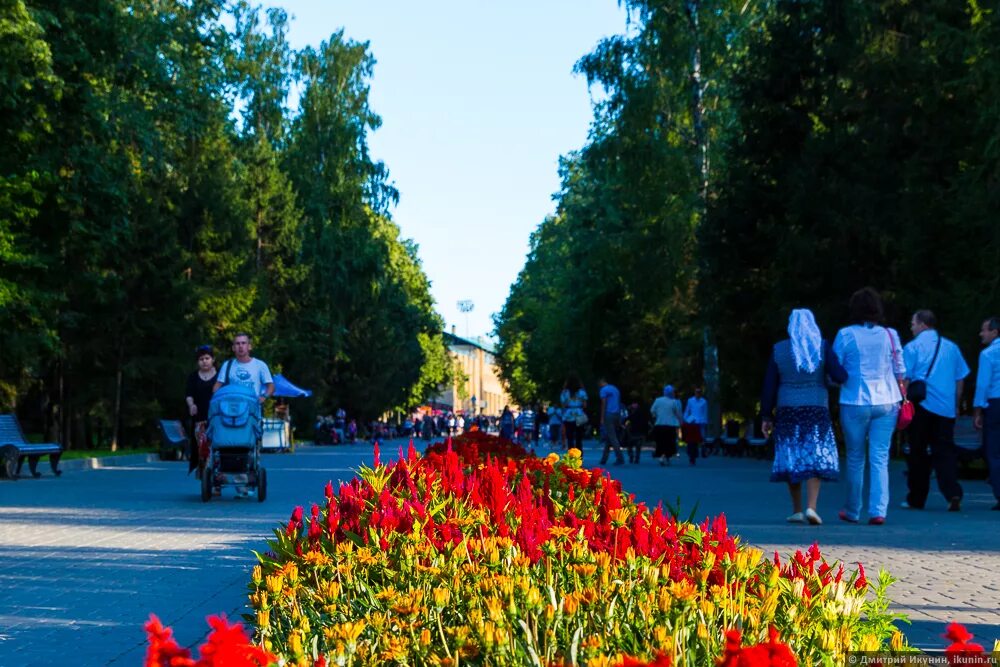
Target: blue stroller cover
[234, 417]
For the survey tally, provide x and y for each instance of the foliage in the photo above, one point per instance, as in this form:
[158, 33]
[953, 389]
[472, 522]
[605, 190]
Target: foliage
[854, 169]
[157, 192]
[609, 283]
[747, 158]
[477, 553]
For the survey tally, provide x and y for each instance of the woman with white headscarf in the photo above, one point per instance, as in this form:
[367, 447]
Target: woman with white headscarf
[795, 392]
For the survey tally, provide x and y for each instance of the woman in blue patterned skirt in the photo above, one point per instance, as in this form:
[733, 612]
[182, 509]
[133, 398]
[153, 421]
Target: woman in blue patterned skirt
[795, 392]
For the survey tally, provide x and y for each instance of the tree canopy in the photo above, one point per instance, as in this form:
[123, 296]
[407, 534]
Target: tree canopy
[747, 158]
[157, 191]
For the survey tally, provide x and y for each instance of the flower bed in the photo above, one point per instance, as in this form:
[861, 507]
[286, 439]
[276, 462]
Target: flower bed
[477, 553]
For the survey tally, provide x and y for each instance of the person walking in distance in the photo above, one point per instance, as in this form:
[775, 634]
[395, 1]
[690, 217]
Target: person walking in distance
[198, 394]
[795, 407]
[247, 371]
[696, 412]
[611, 418]
[574, 404]
[936, 373]
[987, 400]
[666, 413]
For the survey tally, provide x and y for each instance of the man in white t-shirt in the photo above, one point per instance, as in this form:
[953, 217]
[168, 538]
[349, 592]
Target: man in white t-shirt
[246, 370]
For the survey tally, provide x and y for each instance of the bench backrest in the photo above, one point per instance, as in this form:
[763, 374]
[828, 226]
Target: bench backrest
[10, 431]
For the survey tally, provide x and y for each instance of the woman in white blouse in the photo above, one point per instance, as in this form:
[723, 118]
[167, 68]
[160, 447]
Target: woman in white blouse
[869, 403]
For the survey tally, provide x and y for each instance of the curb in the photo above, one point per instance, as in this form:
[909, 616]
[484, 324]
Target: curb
[106, 462]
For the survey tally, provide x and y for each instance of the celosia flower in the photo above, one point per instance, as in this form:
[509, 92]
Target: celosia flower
[961, 651]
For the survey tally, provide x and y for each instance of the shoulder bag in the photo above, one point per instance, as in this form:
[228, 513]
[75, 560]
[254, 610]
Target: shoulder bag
[906, 410]
[917, 391]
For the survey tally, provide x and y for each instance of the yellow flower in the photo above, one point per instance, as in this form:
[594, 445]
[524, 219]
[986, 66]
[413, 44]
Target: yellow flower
[495, 608]
[683, 590]
[316, 558]
[395, 650]
[560, 532]
[441, 597]
[574, 453]
[274, 583]
[619, 517]
[332, 590]
[409, 603]
[552, 458]
[295, 643]
[291, 572]
[263, 618]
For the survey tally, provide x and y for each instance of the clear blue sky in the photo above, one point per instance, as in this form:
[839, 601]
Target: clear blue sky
[478, 101]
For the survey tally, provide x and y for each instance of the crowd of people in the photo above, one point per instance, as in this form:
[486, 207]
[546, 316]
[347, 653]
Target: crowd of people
[884, 386]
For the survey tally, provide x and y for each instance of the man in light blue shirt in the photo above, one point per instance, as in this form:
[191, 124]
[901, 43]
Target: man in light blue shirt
[611, 419]
[987, 399]
[937, 362]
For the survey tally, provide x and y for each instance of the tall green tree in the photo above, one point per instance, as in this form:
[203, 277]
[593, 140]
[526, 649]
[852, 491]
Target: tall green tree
[853, 170]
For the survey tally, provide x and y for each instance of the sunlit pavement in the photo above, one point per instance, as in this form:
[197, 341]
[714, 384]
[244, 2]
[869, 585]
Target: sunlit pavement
[89, 555]
[947, 565]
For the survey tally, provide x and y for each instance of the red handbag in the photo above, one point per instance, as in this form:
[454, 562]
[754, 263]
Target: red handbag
[907, 409]
[906, 412]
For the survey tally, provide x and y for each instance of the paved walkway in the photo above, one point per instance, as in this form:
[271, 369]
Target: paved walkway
[88, 556]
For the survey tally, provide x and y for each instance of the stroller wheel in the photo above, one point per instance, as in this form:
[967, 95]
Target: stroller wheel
[261, 485]
[206, 485]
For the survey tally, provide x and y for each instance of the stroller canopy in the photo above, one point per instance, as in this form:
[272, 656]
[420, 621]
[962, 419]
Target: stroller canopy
[234, 417]
[285, 389]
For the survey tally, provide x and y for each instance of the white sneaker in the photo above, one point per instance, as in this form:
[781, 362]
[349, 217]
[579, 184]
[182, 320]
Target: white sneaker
[812, 517]
[798, 517]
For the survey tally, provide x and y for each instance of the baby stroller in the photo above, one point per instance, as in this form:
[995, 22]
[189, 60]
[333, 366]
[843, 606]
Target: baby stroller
[234, 432]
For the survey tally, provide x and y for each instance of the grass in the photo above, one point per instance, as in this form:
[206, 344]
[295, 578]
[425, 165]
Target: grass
[99, 453]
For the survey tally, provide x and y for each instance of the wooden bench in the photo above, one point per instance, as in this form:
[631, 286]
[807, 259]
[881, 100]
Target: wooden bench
[15, 448]
[173, 440]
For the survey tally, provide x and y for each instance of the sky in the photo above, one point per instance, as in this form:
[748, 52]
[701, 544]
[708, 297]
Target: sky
[478, 100]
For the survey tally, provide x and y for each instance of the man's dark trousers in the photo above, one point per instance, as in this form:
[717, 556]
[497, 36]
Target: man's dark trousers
[991, 443]
[937, 433]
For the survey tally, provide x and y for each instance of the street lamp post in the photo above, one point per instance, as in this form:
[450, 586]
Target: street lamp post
[466, 306]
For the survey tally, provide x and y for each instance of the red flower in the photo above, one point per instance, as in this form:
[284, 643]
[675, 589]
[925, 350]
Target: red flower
[771, 653]
[163, 651]
[862, 581]
[970, 652]
[226, 646]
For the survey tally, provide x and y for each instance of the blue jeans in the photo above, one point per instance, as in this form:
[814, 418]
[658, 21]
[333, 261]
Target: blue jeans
[868, 428]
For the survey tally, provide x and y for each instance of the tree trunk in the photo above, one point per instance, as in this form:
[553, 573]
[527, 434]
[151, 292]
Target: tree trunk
[62, 423]
[116, 417]
[702, 168]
